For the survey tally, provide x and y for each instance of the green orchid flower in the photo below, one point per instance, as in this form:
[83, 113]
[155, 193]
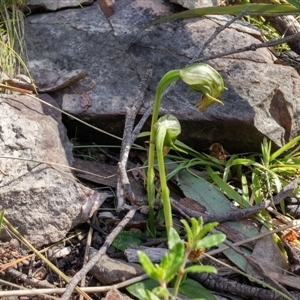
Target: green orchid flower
[206, 80]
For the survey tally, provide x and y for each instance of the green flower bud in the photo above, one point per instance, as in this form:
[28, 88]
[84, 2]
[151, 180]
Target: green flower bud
[168, 128]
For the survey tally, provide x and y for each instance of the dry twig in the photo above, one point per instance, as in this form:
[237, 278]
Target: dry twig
[123, 185]
[217, 32]
[78, 276]
[252, 47]
[87, 251]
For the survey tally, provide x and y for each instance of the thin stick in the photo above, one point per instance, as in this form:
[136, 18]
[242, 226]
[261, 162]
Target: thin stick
[141, 123]
[78, 276]
[93, 289]
[77, 119]
[15, 89]
[217, 32]
[123, 184]
[253, 47]
[87, 251]
[22, 289]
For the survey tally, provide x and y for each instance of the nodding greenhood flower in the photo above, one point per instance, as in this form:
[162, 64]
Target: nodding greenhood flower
[203, 78]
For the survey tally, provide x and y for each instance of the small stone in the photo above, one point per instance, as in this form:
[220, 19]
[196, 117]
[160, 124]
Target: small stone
[110, 271]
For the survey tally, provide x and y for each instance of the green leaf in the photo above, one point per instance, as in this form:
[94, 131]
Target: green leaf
[194, 290]
[256, 188]
[228, 165]
[189, 234]
[173, 238]
[211, 241]
[161, 292]
[143, 134]
[149, 267]
[124, 238]
[141, 289]
[294, 3]
[174, 259]
[266, 152]
[200, 269]
[228, 10]
[196, 227]
[228, 190]
[243, 161]
[245, 195]
[206, 229]
[284, 148]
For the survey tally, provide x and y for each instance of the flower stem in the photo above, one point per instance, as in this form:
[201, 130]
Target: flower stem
[166, 80]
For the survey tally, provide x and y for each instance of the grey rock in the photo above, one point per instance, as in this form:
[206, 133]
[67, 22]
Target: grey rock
[52, 5]
[113, 293]
[42, 200]
[53, 79]
[110, 271]
[191, 4]
[261, 97]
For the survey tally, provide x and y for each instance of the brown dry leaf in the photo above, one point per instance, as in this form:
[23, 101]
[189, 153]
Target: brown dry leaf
[269, 256]
[284, 279]
[216, 150]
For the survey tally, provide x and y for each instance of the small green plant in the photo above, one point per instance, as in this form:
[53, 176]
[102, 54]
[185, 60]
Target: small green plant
[200, 78]
[11, 36]
[173, 264]
[259, 175]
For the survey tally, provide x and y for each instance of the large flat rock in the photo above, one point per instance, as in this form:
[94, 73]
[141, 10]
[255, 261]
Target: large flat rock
[262, 98]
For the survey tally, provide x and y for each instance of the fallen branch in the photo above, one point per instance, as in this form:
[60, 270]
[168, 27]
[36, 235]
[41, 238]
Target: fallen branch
[238, 214]
[123, 185]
